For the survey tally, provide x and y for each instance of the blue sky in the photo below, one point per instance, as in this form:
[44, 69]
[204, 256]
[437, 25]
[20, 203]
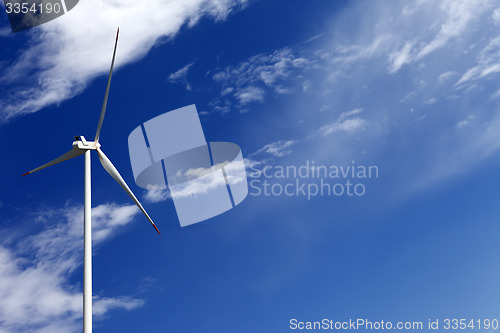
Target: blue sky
[409, 87]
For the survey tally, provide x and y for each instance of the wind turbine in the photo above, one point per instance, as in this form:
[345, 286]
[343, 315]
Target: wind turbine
[80, 147]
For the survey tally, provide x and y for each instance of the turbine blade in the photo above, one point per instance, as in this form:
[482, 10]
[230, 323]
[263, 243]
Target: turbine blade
[103, 110]
[70, 154]
[110, 168]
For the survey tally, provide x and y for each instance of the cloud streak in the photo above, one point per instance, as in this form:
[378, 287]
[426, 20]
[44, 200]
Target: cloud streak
[35, 295]
[180, 76]
[277, 149]
[425, 69]
[249, 80]
[68, 53]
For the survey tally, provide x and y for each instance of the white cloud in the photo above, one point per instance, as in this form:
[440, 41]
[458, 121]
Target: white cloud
[306, 86]
[180, 74]
[466, 122]
[422, 28]
[250, 94]
[359, 52]
[408, 96]
[469, 75]
[155, 195]
[347, 114]
[438, 44]
[282, 148]
[265, 68]
[281, 90]
[109, 217]
[487, 63]
[300, 62]
[247, 81]
[277, 149]
[103, 305]
[195, 181]
[453, 17]
[496, 94]
[35, 295]
[348, 126]
[313, 38]
[460, 13]
[73, 50]
[221, 105]
[412, 7]
[496, 16]
[401, 57]
[226, 91]
[445, 76]
[201, 185]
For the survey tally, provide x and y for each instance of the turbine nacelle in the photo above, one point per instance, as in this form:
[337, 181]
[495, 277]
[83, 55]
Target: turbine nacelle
[81, 144]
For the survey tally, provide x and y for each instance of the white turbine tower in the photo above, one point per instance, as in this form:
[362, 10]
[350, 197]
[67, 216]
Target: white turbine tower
[82, 146]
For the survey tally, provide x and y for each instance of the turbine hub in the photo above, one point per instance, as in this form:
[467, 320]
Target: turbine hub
[82, 144]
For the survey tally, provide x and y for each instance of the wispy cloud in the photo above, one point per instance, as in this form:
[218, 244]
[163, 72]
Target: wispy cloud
[249, 80]
[446, 76]
[449, 20]
[422, 66]
[349, 126]
[496, 94]
[496, 16]
[195, 181]
[466, 122]
[73, 50]
[348, 54]
[249, 94]
[35, 295]
[347, 114]
[442, 59]
[344, 124]
[180, 76]
[277, 149]
[460, 13]
[394, 42]
[155, 195]
[487, 63]
[400, 57]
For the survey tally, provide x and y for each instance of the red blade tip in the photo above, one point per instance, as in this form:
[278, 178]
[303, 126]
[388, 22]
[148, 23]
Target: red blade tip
[27, 173]
[158, 231]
